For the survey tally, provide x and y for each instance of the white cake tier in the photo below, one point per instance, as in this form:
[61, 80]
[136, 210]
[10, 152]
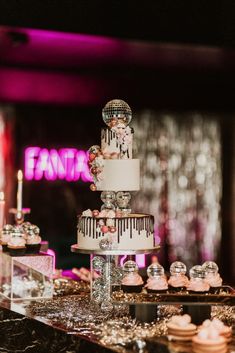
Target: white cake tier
[110, 144]
[120, 175]
[135, 232]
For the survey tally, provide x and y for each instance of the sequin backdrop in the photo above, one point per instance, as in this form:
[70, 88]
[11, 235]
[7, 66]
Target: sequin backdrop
[181, 182]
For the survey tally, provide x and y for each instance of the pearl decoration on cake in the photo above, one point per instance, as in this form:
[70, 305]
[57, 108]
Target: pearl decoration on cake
[104, 229]
[95, 213]
[93, 187]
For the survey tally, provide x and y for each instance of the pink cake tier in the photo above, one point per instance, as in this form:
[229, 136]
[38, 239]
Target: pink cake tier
[134, 232]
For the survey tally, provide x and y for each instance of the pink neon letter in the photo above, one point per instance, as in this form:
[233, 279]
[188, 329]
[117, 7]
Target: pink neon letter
[67, 163]
[82, 167]
[31, 153]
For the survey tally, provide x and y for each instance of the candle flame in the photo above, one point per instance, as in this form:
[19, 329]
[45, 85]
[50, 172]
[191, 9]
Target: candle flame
[20, 175]
[1, 196]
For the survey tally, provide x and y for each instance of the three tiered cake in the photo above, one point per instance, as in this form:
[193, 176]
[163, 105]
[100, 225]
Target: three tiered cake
[115, 173]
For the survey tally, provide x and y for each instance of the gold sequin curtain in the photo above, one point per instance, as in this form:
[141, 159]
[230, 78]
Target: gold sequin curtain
[181, 182]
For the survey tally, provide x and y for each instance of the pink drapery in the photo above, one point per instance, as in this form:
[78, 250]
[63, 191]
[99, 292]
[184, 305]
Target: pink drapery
[7, 155]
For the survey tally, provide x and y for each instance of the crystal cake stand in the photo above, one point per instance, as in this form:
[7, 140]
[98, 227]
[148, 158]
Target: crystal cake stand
[105, 262]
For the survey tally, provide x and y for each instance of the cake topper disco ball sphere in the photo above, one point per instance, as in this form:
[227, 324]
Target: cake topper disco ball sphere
[116, 110]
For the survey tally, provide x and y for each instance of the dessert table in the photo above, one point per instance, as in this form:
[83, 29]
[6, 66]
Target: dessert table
[69, 323]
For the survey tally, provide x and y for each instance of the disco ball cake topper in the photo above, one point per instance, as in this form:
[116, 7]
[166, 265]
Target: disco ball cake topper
[116, 111]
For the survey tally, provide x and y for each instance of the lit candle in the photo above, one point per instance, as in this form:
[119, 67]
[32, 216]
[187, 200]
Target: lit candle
[19, 191]
[2, 209]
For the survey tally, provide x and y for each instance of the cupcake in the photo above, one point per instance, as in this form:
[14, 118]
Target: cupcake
[224, 330]
[16, 244]
[198, 283]
[33, 239]
[208, 340]
[180, 328]
[178, 281]
[212, 276]
[157, 282]
[5, 236]
[132, 282]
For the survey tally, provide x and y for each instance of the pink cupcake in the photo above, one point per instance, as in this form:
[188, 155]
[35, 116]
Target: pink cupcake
[5, 236]
[16, 244]
[33, 240]
[212, 276]
[157, 282]
[178, 281]
[132, 282]
[198, 283]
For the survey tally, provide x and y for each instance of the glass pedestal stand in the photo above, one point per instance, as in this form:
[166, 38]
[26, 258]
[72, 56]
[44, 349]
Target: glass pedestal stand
[107, 275]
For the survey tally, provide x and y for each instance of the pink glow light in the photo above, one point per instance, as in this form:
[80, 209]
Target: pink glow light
[140, 260]
[65, 164]
[52, 253]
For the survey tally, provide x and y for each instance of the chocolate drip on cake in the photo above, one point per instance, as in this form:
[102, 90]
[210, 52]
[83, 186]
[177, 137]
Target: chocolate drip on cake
[96, 231]
[88, 226]
[131, 228]
[108, 136]
[94, 228]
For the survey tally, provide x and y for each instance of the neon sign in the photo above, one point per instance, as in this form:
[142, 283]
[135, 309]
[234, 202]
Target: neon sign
[65, 164]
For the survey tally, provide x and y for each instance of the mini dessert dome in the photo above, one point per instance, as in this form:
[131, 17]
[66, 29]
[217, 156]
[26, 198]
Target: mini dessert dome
[212, 276]
[16, 243]
[178, 281]
[198, 281]
[157, 282]
[132, 281]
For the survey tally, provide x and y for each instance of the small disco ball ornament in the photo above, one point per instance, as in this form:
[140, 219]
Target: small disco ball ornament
[116, 110]
[178, 268]
[108, 196]
[105, 244]
[95, 149]
[210, 267]
[155, 270]
[123, 198]
[197, 271]
[130, 267]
